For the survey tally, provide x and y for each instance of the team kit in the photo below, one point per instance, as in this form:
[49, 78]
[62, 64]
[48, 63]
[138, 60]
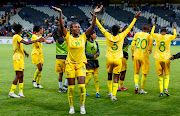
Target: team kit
[77, 57]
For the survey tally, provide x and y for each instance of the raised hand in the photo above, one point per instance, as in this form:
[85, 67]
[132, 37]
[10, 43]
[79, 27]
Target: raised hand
[175, 26]
[57, 9]
[154, 24]
[137, 14]
[98, 9]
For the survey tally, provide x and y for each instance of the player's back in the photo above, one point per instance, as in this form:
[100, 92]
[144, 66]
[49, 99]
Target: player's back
[114, 46]
[37, 47]
[142, 41]
[17, 46]
[163, 42]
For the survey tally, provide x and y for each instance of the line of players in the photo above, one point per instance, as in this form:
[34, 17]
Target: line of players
[71, 58]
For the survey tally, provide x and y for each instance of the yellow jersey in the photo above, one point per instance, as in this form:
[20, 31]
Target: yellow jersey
[144, 43]
[163, 42]
[115, 43]
[37, 47]
[17, 47]
[76, 48]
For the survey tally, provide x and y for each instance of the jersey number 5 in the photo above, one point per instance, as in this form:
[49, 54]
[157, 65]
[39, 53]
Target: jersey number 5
[115, 47]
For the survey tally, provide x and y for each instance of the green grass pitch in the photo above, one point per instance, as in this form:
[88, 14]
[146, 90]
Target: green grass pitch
[49, 101]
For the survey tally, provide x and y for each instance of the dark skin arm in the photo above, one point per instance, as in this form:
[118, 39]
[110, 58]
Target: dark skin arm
[31, 42]
[91, 28]
[26, 54]
[60, 20]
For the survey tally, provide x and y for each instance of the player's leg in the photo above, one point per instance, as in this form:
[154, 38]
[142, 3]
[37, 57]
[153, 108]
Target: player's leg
[35, 61]
[166, 80]
[145, 71]
[115, 87]
[121, 82]
[88, 78]
[60, 82]
[109, 67]
[122, 75]
[82, 92]
[71, 86]
[159, 71]
[21, 84]
[110, 84]
[70, 75]
[39, 66]
[81, 73]
[96, 82]
[136, 74]
[14, 85]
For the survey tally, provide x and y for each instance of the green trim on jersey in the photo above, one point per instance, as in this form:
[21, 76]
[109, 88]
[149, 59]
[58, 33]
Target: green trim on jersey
[91, 48]
[125, 49]
[61, 49]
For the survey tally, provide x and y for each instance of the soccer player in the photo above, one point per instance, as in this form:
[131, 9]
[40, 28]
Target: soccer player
[140, 55]
[114, 54]
[76, 59]
[92, 52]
[61, 54]
[124, 63]
[18, 60]
[37, 54]
[175, 56]
[162, 56]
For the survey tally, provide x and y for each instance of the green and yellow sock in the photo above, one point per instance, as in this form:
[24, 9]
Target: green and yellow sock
[143, 81]
[71, 94]
[166, 82]
[115, 87]
[82, 92]
[121, 82]
[136, 79]
[110, 85]
[13, 87]
[161, 83]
[96, 82]
[36, 74]
[88, 78]
[20, 87]
[39, 78]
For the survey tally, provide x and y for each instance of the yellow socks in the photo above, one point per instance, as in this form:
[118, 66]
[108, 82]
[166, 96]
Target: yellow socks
[13, 87]
[71, 94]
[121, 82]
[115, 87]
[136, 79]
[161, 83]
[82, 92]
[166, 82]
[88, 78]
[110, 85]
[96, 82]
[36, 74]
[20, 87]
[39, 78]
[143, 81]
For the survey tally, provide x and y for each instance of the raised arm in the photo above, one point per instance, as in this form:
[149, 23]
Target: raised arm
[175, 33]
[133, 45]
[60, 20]
[152, 30]
[132, 23]
[150, 44]
[91, 28]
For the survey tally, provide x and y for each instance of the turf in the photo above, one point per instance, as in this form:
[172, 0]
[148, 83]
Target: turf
[48, 101]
